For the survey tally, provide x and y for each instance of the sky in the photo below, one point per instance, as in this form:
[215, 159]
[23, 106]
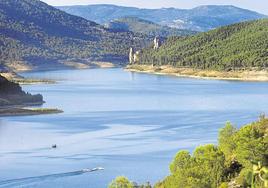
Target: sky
[260, 6]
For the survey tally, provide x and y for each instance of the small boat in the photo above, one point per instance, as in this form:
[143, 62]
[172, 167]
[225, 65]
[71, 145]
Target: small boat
[92, 170]
[54, 146]
[86, 170]
[96, 169]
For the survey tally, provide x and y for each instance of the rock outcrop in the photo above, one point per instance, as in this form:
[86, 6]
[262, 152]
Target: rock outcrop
[137, 56]
[131, 56]
[134, 57]
[157, 43]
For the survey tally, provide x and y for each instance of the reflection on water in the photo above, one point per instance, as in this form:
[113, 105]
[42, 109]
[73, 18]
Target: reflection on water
[131, 124]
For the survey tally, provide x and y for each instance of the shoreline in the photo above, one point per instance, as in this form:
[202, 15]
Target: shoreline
[16, 111]
[16, 78]
[68, 65]
[29, 81]
[242, 75]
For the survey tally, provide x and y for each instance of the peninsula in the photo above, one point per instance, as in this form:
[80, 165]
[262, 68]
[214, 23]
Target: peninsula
[13, 100]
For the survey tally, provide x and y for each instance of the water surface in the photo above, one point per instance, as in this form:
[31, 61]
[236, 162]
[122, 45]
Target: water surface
[131, 124]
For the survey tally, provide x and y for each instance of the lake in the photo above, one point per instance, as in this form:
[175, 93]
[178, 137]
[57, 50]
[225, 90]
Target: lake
[130, 124]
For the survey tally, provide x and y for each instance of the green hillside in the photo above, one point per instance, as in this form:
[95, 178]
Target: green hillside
[233, 163]
[238, 46]
[239, 160]
[138, 25]
[37, 34]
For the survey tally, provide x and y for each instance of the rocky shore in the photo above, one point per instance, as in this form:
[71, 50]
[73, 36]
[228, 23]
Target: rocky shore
[239, 75]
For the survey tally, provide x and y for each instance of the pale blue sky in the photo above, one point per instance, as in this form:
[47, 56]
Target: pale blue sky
[256, 5]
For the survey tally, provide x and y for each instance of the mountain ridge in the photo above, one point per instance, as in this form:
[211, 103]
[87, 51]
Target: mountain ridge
[191, 19]
[138, 25]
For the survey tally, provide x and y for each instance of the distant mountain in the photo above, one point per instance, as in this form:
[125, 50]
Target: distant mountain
[239, 46]
[34, 34]
[138, 25]
[201, 18]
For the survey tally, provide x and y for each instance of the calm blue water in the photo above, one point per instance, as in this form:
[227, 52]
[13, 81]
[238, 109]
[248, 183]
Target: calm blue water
[129, 123]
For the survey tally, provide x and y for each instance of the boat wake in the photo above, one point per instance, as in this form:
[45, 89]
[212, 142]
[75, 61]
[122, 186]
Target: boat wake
[36, 179]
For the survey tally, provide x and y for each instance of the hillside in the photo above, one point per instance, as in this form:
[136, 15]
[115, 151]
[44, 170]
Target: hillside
[239, 160]
[201, 18]
[235, 47]
[34, 35]
[138, 25]
[12, 94]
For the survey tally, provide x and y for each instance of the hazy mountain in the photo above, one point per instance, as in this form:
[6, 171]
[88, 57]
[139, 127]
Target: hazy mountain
[201, 18]
[238, 46]
[138, 25]
[35, 35]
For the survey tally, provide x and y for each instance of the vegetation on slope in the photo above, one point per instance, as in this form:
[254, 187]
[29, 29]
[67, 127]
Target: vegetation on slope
[238, 46]
[12, 94]
[138, 25]
[230, 164]
[33, 32]
[123, 182]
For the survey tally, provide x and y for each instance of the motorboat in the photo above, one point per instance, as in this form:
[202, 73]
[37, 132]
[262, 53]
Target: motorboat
[92, 170]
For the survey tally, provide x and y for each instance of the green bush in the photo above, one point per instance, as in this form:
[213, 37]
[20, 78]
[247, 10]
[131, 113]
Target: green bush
[211, 167]
[121, 182]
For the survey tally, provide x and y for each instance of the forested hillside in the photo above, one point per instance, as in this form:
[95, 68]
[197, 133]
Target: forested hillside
[238, 46]
[12, 94]
[138, 25]
[38, 34]
[233, 163]
[239, 160]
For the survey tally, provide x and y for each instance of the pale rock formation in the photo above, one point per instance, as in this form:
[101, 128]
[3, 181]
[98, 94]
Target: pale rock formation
[157, 43]
[134, 57]
[137, 56]
[131, 56]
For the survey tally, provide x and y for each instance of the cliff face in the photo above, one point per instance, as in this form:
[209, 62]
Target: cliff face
[12, 94]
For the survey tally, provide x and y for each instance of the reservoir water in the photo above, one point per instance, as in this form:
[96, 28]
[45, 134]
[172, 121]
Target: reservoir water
[130, 124]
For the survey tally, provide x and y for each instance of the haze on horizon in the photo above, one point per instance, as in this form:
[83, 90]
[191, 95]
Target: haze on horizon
[256, 5]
